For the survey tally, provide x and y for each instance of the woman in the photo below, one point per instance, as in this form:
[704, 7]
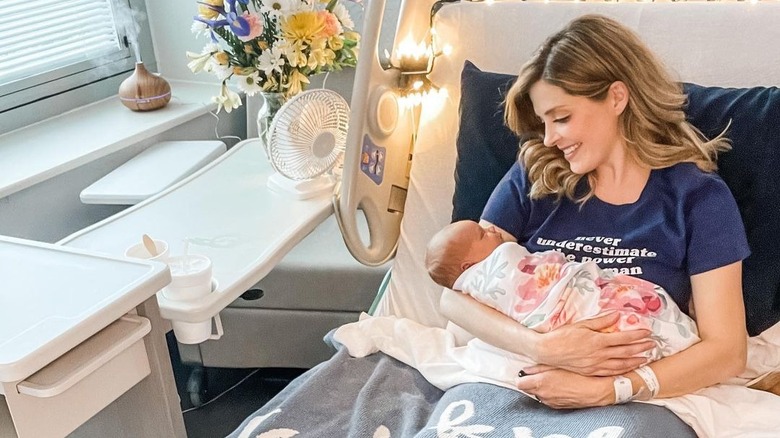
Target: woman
[613, 173]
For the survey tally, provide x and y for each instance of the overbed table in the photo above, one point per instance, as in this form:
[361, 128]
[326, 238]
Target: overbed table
[224, 211]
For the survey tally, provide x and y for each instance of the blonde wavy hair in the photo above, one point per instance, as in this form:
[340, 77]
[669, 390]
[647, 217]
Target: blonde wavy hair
[584, 59]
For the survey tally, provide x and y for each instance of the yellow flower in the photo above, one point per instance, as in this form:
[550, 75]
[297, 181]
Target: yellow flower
[248, 49]
[301, 28]
[318, 43]
[351, 35]
[270, 84]
[296, 57]
[321, 58]
[208, 13]
[263, 45]
[330, 56]
[296, 82]
[316, 58]
[335, 43]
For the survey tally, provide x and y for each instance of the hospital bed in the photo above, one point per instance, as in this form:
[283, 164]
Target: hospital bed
[459, 148]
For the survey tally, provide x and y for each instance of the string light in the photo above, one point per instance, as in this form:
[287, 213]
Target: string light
[426, 94]
[415, 61]
[414, 57]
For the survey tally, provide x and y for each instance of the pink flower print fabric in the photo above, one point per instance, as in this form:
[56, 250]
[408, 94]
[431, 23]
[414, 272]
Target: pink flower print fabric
[544, 291]
[637, 300]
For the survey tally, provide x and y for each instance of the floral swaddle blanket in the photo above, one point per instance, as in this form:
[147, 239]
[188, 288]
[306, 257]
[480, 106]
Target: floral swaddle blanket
[544, 291]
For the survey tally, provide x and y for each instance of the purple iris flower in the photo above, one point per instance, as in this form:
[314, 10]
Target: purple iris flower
[238, 24]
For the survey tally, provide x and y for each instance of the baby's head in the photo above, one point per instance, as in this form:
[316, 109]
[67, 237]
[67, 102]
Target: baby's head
[458, 246]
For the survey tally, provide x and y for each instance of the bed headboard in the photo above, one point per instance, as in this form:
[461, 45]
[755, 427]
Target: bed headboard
[710, 43]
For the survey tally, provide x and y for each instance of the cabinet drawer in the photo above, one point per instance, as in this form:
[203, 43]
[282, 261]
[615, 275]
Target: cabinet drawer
[83, 381]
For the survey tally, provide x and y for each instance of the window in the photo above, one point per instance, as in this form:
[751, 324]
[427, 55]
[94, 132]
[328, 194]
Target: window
[51, 47]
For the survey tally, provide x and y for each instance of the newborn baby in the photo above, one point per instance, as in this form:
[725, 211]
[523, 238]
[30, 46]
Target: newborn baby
[544, 291]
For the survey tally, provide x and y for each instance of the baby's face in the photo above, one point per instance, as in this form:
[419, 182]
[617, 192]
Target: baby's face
[483, 240]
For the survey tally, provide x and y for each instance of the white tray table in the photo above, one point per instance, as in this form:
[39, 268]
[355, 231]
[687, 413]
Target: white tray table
[152, 171]
[224, 211]
[69, 345]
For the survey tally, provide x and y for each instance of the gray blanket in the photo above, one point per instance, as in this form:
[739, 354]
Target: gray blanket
[380, 397]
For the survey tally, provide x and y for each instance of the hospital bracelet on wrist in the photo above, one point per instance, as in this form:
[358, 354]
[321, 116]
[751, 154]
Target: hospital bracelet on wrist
[624, 390]
[651, 381]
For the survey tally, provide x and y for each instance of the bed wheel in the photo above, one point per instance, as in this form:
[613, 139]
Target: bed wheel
[196, 386]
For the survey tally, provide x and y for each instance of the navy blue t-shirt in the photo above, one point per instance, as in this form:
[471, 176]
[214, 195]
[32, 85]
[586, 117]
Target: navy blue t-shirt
[685, 222]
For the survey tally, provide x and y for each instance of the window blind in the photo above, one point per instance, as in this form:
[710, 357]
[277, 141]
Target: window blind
[42, 36]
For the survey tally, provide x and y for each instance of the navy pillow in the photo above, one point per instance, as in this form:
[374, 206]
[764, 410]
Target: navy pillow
[487, 149]
[752, 172]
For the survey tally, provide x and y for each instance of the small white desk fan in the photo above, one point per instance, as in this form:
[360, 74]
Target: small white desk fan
[307, 139]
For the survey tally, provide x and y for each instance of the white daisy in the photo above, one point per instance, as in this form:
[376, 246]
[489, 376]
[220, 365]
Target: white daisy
[341, 12]
[278, 8]
[249, 84]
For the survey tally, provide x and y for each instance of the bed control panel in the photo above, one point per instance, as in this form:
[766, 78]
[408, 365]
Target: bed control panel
[376, 160]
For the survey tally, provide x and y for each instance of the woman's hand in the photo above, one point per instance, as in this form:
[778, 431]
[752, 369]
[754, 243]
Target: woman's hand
[580, 347]
[561, 389]
[583, 349]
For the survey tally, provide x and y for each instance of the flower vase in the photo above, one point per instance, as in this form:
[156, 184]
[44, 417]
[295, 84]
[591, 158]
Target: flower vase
[261, 112]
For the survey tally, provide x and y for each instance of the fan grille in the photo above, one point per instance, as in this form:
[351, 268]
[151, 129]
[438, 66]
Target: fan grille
[309, 134]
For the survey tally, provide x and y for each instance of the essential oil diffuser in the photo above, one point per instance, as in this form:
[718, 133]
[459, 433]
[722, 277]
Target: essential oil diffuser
[144, 91]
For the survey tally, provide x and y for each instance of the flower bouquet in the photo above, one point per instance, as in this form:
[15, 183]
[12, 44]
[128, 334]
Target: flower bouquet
[272, 46]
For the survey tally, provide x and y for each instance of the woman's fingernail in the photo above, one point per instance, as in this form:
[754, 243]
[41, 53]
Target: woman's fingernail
[522, 373]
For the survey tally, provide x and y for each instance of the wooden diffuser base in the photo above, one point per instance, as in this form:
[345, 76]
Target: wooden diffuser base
[144, 91]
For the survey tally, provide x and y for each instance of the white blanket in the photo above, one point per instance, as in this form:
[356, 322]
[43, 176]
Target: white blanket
[726, 410]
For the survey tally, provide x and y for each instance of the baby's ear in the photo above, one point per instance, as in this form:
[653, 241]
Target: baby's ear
[466, 265]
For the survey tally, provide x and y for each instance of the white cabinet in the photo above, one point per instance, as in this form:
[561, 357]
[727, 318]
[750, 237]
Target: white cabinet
[78, 330]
